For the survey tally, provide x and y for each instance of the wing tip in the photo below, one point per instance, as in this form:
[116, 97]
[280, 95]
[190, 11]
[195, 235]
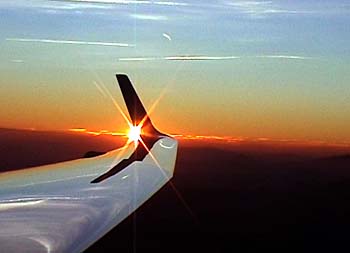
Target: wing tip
[137, 111]
[122, 76]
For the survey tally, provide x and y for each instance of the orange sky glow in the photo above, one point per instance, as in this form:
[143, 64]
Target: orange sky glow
[226, 139]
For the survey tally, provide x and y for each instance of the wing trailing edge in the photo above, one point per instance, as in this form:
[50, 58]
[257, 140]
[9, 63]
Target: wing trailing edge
[61, 207]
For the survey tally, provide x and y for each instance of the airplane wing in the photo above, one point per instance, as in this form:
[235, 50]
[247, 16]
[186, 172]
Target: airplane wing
[66, 207]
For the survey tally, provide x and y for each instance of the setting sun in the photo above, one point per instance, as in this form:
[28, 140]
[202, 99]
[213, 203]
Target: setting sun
[134, 133]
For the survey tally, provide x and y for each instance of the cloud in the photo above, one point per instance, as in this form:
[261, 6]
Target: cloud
[260, 9]
[17, 61]
[211, 58]
[140, 59]
[141, 2]
[170, 3]
[293, 57]
[53, 4]
[250, 4]
[71, 42]
[82, 6]
[200, 58]
[96, 133]
[180, 58]
[60, 5]
[149, 17]
[106, 1]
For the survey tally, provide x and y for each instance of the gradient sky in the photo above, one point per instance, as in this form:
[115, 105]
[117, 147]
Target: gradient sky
[272, 69]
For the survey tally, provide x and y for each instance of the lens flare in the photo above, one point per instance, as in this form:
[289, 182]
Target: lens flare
[134, 134]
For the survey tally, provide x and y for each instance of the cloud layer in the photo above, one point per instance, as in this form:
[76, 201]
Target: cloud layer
[71, 42]
[211, 58]
[141, 2]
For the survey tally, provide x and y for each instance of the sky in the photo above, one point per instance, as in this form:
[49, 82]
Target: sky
[252, 69]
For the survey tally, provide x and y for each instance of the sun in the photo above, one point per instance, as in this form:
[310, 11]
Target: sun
[134, 134]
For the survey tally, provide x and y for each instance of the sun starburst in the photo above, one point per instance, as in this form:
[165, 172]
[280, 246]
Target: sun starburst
[134, 133]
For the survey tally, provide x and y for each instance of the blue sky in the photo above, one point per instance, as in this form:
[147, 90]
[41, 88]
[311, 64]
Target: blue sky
[279, 65]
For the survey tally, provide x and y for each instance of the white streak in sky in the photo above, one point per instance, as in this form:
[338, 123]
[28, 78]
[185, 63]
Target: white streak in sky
[167, 36]
[180, 58]
[140, 59]
[17, 61]
[72, 42]
[246, 4]
[73, 5]
[200, 58]
[107, 1]
[170, 3]
[149, 17]
[293, 57]
[167, 3]
[211, 58]
[261, 8]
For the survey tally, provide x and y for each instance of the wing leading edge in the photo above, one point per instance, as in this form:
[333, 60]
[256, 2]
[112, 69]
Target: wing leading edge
[65, 207]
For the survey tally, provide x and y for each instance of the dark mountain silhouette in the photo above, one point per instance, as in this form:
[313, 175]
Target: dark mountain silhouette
[338, 158]
[26, 148]
[226, 200]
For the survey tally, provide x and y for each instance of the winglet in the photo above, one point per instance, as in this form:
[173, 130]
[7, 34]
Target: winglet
[135, 107]
[150, 135]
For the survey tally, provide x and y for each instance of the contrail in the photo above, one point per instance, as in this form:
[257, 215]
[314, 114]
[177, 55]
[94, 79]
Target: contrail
[200, 58]
[72, 42]
[295, 57]
[167, 3]
[140, 59]
[212, 58]
[180, 58]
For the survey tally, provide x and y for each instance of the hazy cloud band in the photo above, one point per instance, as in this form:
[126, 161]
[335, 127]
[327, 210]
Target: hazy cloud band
[166, 3]
[72, 42]
[212, 58]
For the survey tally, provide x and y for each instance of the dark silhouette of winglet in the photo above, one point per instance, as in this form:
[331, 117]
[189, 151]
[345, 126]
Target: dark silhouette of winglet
[149, 134]
[135, 107]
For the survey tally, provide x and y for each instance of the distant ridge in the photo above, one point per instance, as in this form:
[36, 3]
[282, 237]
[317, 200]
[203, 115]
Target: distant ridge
[337, 158]
[24, 148]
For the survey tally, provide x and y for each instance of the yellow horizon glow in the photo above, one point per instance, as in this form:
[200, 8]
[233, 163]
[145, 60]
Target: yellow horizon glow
[222, 139]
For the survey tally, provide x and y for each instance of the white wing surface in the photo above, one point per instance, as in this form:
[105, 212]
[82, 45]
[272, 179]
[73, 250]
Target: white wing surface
[66, 207]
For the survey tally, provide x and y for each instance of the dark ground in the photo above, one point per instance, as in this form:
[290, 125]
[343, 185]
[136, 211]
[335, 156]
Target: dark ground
[226, 200]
